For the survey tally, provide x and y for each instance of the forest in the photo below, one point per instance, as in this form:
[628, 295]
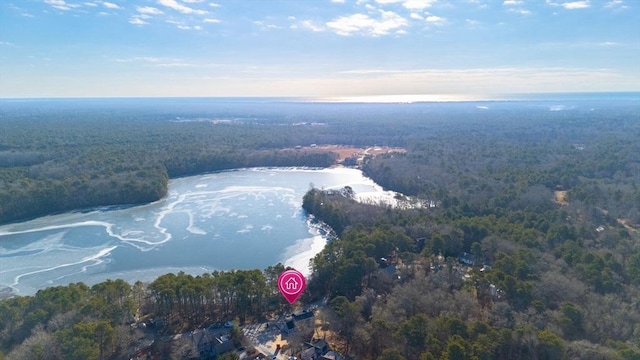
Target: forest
[549, 215]
[56, 159]
[526, 244]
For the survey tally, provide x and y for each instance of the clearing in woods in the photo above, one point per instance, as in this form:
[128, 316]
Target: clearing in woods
[561, 197]
[345, 152]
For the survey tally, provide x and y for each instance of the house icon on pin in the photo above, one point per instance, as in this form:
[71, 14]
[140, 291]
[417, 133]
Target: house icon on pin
[291, 284]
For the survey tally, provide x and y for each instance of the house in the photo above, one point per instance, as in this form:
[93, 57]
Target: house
[319, 350]
[303, 315]
[212, 346]
[223, 346]
[331, 355]
[289, 326]
[321, 346]
[308, 354]
[467, 259]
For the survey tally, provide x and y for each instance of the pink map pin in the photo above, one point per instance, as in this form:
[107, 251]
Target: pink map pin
[291, 284]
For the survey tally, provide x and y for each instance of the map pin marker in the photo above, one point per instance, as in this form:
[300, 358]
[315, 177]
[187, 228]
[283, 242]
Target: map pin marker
[291, 284]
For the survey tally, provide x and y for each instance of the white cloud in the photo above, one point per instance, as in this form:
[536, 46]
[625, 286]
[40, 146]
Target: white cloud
[192, 1]
[265, 25]
[211, 21]
[614, 4]
[149, 10]
[110, 5]
[578, 45]
[338, 1]
[479, 3]
[214, 4]
[149, 59]
[308, 24]
[571, 5]
[173, 4]
[576, 5]
[472, 22]
[177, 65]
[61, 4]
[473, 80]
[90, 4]
[436, 20]
[520, 11]
[511, 2]
[182, 26]
[418, 4]
[410, 4]
[416, 16]
[137, 20]
[162, 62]
[361, 23]
[55, 2]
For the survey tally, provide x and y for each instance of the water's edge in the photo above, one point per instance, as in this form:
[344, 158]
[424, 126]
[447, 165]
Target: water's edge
[235, 219]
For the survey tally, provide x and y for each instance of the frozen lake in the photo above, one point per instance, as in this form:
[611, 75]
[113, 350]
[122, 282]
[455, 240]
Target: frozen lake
[242, 219]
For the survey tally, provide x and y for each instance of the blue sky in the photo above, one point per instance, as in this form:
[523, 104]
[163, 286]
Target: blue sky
[318, 48]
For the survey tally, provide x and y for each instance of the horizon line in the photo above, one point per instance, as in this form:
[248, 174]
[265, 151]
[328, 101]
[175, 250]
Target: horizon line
[396, 98]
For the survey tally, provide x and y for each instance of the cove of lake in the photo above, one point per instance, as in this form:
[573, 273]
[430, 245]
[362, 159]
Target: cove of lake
[240, 219]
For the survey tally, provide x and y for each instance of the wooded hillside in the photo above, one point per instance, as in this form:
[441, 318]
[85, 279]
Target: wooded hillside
[533, 249]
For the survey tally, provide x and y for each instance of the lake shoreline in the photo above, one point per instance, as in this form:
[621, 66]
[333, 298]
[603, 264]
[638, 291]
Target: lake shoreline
[205, 223]
[111, 207]
[342, 153]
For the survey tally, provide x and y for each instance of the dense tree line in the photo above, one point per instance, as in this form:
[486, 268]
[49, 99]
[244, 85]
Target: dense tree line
[541, 297]
[82, 322]
[49, 189]
[217, 296]
[60, 159]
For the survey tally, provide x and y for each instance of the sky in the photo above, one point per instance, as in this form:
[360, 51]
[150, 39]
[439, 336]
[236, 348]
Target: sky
[316, 48]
